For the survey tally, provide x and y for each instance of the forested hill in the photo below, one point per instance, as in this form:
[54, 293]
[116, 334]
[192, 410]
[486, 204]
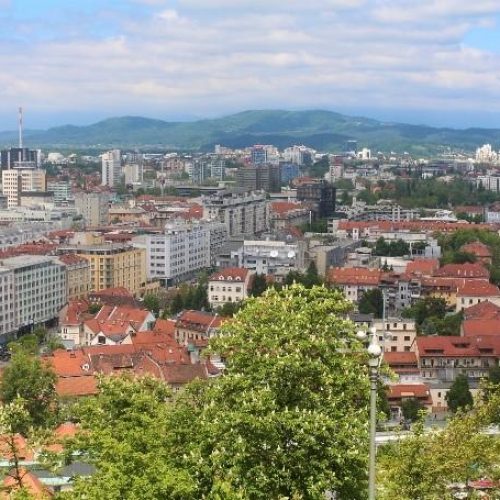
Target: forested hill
[322, 130]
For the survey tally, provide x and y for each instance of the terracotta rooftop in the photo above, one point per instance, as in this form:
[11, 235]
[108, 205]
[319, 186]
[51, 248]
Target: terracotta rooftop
[166, 326]
[285, 207]
[400, 358]
[77, 386]
[354, 276]
[483, 310]
[399, 391]
[474, 327]
[199, 319]
[114, 292]
[71, 259]
[230, 274]
[443, 346]
[30, 482]
[422, 267]
[478, 289]
[478, 249]
[467, 270]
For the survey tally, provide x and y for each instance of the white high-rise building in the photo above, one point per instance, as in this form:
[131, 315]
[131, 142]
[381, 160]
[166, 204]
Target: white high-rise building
[182, 250]
[133, 173]
[16, 181]
[93, 207]
[33, 290]
[111, 168]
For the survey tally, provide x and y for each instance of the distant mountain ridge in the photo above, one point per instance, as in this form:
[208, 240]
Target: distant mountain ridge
[319, 129]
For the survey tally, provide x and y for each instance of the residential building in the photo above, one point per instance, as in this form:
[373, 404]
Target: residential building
[8, 322]
[113, 265]
[16, 181]
[77, 276]
[473, 292]
[230, 285]
[283, 214]
[259, 177]
[19, 158]
[354, 281]
[134, 173]
[319, 195]
[196, 327]
[443, 358]
[396, 334]
[178, 253]
[61, 190]
[404, 365]
[398, 393]
[481, 251]
[93, 207]
[111, 168]
[244, 213]
[38, 288]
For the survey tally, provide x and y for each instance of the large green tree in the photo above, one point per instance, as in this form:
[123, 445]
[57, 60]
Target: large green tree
[31, 379]
[372, 302]
[125, 433]
[459, 395]
[288, 418]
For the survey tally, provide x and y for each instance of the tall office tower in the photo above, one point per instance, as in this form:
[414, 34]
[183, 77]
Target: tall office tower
[111, 168]
[17, 181]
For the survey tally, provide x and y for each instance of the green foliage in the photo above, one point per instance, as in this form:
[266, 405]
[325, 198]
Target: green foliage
[288, 418]
[422, 466]
[459, 396]
[450, 324]
[372, 302]
[396, 248]
[259, 285]
[428, 313]
[29, 378]
[345, 184]
[126, 433]
[411, 408]
[308, 279]
[316, 226]
[229, 309]
[152, 303]
[28, 343]
[434, 193]
[457, 257]
[189, 297]
[320, 168]
[94, 308]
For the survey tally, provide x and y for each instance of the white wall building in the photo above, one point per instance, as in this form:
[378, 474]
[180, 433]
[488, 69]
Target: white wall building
[229, 285]
[38, 285]
[16, 181]
[243, 213]
[133, 173]
[179, 252]
[111, 168]
[270, 257]
[8, 322]
[93, 207]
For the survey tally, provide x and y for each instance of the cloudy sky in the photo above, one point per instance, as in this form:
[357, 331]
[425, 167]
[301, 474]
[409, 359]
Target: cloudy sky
[419, 61]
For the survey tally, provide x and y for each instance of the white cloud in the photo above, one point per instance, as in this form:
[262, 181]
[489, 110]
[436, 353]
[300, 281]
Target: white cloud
[254, 54]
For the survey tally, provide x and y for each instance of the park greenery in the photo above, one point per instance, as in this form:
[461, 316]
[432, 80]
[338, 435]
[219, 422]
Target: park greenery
[432, 317]
[396, 248]
[372, 302]
[286, 419]
[459, 396]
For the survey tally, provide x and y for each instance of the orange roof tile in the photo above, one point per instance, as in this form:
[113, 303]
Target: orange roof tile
[409, 391]
[203, 319]
[230, 274]
[467, 270]
[354, 276]
[478, 289]
[472, 327]
[164, 326]
[478, 249]
[77, 386]
[422, 267]
[482, 310]
[400, 358]
[30, 483]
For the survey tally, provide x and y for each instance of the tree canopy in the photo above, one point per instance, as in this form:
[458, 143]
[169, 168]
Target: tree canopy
[459, 396]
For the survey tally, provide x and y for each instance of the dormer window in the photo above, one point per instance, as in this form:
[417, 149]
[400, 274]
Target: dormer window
[238, 278]
[229, 278]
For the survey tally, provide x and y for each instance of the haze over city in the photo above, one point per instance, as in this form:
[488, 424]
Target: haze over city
[434, 62]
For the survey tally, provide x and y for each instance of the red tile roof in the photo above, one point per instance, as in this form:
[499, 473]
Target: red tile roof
[478, 289]
[71, 259]
[442, 346]
[417, 225]
[467, 270]
[399, 391]
[74, 312]
[478, 249]
[284, 207]
[30, 483]
[482, 310]
[77, 386]
[400, 358]
[114, 292]
[354, 276]
[204, 320]
[28, 249]
[230, 274]
[473, 327]
[422, 267]
[166, 326]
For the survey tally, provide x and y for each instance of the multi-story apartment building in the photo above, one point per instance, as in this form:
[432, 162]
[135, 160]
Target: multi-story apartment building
[254, 177]
[39, 288]
[396, 335]
[230, 285]
[19, 158]
[93, 207]
[61, 190]
[77, 276]
[320, 195]
[111, 168]
[113, 265]
[244, 213]
[8, 323]
[178, 253]
[16, 181]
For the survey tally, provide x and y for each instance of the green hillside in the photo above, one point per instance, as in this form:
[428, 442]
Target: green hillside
[322, 130]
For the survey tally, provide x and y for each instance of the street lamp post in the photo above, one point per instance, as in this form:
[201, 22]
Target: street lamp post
[375, 354]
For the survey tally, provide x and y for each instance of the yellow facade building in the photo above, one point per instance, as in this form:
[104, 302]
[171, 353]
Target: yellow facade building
[114, 265]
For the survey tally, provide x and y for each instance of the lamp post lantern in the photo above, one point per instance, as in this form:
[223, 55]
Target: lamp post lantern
[375, 356]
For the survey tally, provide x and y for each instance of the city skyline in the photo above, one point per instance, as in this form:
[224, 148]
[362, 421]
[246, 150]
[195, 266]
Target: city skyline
[433, 63]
